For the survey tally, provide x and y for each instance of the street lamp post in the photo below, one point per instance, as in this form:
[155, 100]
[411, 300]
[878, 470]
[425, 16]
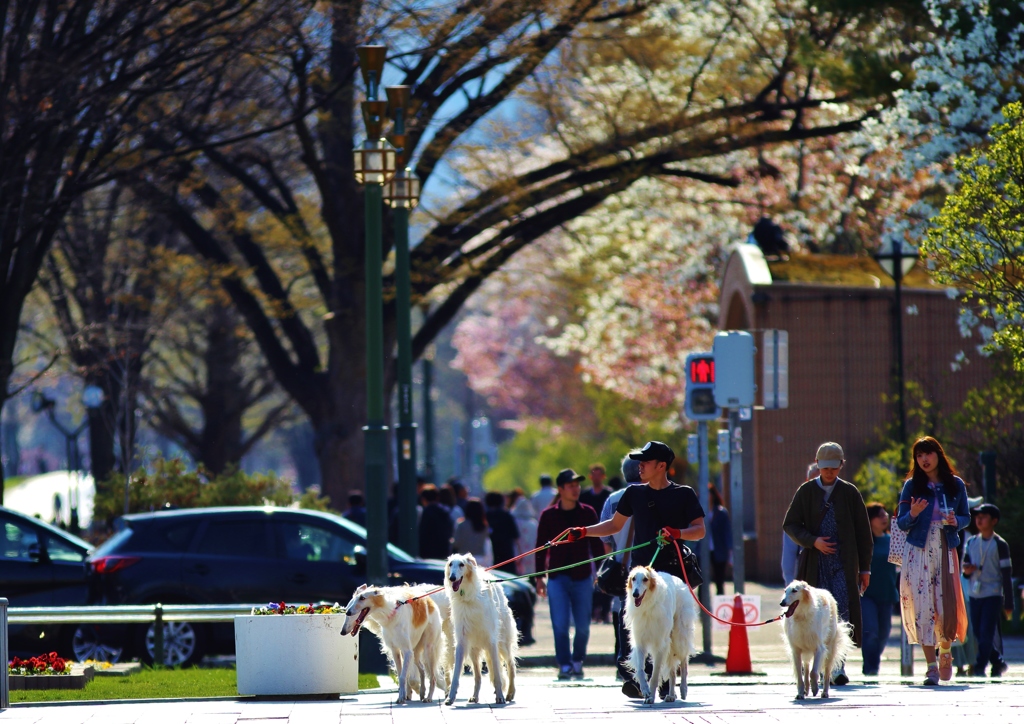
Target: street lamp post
[428, 415]
[897, 263]
[402, 195]
[374, 163]
[92, 398]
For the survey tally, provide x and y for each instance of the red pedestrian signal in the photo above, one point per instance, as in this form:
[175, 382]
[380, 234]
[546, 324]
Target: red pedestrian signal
[700, 387]
[702, 370]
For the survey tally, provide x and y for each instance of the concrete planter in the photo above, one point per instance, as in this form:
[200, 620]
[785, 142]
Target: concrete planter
[300, 654]
[80, 676]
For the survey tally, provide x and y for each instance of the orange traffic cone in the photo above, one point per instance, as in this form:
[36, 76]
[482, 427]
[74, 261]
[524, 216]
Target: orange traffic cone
[738, 660]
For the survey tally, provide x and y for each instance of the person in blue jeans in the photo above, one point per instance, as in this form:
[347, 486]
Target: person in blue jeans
[881, 594]
[569, 592]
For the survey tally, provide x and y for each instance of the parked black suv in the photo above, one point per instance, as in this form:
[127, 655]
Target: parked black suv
[41, 565]
[242, 555]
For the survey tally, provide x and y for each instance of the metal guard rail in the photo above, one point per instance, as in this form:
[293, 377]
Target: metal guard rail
[169, 613]
[152, 613]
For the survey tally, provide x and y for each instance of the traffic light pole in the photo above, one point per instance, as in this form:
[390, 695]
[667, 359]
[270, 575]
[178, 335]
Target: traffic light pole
[736, 499]
[705, 552]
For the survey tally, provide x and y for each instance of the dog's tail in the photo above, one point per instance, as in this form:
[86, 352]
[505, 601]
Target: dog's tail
[842, 645]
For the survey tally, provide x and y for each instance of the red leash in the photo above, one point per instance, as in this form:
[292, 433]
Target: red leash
[679, 553]
[558, 540]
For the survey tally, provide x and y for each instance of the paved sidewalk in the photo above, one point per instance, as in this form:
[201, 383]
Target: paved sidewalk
[714, 698]
[538, 700]
[768, 651]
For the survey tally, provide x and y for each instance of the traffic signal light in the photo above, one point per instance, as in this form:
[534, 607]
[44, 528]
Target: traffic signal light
[700, 387]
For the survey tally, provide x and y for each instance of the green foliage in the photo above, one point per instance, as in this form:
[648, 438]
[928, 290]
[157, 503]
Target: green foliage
[977, 240]
[542, 447]
[170, 483]
[881, 477]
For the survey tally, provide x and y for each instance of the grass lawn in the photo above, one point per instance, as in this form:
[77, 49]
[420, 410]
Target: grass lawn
[155, 684]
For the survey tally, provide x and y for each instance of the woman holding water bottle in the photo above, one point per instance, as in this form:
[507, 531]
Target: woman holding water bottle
[932, 510]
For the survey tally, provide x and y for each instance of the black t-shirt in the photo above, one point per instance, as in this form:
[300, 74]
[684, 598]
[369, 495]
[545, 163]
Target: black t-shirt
[676, 506]
[595, 500]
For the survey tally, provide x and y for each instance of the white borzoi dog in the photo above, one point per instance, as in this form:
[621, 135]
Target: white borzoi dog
[410, 631]
[819, 641]
[661, 617]
[483, 626]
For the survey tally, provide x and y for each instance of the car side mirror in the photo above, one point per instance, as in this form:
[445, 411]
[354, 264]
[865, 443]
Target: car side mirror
[359, 553]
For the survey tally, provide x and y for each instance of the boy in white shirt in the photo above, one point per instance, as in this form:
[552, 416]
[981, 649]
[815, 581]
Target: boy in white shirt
[987, 563]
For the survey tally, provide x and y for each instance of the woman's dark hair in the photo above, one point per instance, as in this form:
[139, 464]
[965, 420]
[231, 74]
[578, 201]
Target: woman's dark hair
[429, 494]
[494, 499]
[714, 496]
[474, 512]
[928, 444]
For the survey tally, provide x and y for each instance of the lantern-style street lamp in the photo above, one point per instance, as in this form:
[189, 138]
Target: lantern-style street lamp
[374, 162]
[897, 261]
[402, 194]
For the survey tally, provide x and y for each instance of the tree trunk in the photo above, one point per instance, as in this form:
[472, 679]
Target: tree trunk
[224, 403]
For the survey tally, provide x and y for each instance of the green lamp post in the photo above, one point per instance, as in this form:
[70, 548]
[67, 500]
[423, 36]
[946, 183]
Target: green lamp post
[402, 194]
[374, 162]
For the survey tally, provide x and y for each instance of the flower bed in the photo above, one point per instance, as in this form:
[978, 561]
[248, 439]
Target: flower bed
[329, 663]
[49, 671]
[281, 609]
[46, 665]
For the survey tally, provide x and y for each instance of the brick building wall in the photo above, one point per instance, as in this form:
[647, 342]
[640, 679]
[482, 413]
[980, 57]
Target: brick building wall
[841, 368]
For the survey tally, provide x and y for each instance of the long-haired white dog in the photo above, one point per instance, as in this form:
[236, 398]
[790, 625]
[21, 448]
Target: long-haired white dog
[483, 627]
[819, 641]
[661, 617]
[410, 632]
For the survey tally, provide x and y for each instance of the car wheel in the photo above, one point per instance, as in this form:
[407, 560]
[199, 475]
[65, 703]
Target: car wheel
[183, 644]
[88, 645]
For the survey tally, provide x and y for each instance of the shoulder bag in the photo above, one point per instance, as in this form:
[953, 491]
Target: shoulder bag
[897, 544]
[611, 575]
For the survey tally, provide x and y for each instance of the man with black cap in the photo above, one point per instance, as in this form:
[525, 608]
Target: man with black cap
[569, 592]
[659, 506]
[987, 563]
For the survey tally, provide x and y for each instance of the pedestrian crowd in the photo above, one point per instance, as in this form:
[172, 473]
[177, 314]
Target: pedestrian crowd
[935, 559]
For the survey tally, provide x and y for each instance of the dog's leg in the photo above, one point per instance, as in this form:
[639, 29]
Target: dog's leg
[816, 671]
[477, 657]
[670, 694]
[403, 676]
[830, 658]
[510, 663]
[637, 660]
[495, 665]
[453, 690]
[800, 671]
[683, 671]
[657, 663]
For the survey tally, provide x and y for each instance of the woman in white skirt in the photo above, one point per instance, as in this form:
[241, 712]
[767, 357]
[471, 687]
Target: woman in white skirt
[933, 509]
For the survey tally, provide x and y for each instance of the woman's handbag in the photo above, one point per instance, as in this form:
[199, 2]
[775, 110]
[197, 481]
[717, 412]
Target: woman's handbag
[611, 575]
[897, 545]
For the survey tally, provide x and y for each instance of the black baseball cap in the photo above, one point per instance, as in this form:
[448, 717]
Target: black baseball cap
[987, 508]
[654, 450]
[568, 476]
